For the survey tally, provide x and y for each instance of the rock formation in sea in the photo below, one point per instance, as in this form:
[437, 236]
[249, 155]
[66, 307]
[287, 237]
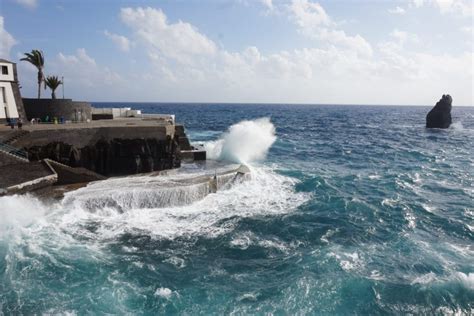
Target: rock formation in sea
[440, 115]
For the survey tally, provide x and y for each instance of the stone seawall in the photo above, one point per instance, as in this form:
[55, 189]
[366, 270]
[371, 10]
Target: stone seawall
[109, 151]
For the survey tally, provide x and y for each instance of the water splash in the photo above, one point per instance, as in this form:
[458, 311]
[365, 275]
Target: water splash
[18, 212]
[149, 192]
[244, 142]
[150, 204]
[138, 206]
[457, 126]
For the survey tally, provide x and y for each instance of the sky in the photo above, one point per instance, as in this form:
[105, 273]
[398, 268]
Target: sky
[398, 52]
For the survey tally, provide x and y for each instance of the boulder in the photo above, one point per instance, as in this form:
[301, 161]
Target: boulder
[440, 115]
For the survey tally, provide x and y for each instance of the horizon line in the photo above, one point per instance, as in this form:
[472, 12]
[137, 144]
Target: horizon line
[275, 103]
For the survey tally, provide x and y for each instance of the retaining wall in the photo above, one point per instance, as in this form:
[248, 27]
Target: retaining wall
[67, 109]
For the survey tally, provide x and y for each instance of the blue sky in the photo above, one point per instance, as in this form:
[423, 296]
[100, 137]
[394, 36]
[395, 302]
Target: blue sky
[292, 51]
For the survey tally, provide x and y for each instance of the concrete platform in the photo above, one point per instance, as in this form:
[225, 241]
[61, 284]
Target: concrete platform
[20, 178]
[118, 122]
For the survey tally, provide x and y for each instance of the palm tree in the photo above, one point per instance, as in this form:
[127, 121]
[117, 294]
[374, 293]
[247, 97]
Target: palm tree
[36, 58]
[53, 83]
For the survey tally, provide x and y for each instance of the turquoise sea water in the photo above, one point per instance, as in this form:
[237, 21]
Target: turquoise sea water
[354, 210]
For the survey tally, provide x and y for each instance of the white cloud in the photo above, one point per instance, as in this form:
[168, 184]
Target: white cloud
[185, 65]
[418, 3]
[29, 4]
[83, 69]
[457, 7]
[268, 4]
[122, 42]
[309, 15]
[403, 37]
[179, 41]
[314, 22]
[6, 40]
[355, 43]
[397, 10]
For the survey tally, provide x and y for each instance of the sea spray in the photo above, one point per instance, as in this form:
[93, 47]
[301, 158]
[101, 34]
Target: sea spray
[19, 211]
[122, 207]
[244, 142]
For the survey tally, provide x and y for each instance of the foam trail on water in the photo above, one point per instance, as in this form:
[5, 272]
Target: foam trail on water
[244, 142]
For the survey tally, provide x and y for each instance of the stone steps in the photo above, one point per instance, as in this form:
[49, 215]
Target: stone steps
[13, 152]
[13, 136]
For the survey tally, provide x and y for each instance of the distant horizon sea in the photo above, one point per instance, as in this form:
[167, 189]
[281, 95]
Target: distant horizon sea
[136, 104]
[349, 209]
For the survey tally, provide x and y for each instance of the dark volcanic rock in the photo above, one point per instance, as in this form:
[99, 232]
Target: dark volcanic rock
[440, 115]
[114, 157]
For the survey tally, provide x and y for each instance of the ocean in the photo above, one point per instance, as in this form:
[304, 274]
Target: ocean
[348, 210]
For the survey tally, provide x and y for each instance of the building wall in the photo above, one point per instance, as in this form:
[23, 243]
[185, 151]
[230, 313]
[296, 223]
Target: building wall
[17, 94]
[11, 105]
[8, 108]
[8, 77]
[65, 108]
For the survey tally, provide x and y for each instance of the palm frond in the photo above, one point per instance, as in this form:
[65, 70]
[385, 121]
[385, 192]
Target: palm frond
[52, 82]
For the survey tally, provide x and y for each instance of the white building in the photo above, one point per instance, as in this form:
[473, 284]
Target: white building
[11, 104]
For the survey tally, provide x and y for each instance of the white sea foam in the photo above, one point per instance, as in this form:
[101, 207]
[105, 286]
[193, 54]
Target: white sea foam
[175, 261]
[248, 297]
[410, 218]
[429, 208]
[164, 292]
[457, 126]
[246, 239]
[244, 142]
[328, 234]
[348, 261]
[19, 211]
[389, 202]
[425, 278]
[115, 207]
[466, 280]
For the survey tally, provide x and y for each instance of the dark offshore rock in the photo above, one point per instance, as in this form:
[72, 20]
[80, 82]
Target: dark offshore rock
[440, 115]
[114, 157]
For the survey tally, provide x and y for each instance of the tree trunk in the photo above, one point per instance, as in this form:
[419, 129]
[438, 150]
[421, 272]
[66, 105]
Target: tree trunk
[39, 90]
[53, 94]
[40, 80]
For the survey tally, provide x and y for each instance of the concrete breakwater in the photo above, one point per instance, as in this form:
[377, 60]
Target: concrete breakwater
[94, 151]
[157, 190]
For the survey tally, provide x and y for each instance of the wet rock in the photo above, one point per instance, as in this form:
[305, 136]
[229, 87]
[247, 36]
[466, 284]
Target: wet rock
[440, 115]
[114, 157]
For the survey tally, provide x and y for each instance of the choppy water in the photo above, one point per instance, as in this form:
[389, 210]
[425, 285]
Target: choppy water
[355, 210]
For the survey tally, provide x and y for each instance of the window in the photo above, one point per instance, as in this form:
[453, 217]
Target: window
[4, 70]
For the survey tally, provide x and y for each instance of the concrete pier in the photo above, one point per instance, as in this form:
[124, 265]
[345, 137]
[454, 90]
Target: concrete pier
[83, 152]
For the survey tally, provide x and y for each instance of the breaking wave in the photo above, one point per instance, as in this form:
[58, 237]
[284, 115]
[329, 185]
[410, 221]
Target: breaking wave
[146, 205]
[244, 142]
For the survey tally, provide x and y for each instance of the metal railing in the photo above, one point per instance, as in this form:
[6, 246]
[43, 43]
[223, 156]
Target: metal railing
[13, 151]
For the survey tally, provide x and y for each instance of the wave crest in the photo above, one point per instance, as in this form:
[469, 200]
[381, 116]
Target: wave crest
[244, 142]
